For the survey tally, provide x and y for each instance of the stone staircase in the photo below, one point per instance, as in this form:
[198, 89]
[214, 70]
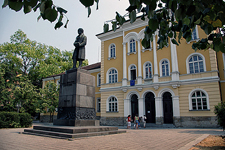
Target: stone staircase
[67, 132]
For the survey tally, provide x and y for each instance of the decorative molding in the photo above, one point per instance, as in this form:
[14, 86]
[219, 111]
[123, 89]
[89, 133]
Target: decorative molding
[156, 87]
[139, 89]
[111, 58]
[148, 49]
[175, 86]
[131, 53]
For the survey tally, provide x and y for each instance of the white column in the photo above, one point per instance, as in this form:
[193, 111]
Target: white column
[156, 75]
[158, 107]
[140, 107]
[176, 106]
[139, 78]
[175, 72]
[124, 80]
[126, 107]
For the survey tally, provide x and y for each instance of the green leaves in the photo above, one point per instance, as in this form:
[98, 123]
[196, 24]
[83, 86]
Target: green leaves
[17, 6]
[132, 16]
[87, 3]
[106, 28]
[51, 14]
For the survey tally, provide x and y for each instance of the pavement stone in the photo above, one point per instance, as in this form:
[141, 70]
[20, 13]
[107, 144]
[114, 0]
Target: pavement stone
[144, 139]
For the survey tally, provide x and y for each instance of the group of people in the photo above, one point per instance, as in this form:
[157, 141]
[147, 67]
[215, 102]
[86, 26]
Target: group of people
[137, 121]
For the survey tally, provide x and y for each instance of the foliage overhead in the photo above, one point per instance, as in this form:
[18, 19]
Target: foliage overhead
[174, 19]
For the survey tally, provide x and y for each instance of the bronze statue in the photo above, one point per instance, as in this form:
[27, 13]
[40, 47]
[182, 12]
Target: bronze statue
[79, 51]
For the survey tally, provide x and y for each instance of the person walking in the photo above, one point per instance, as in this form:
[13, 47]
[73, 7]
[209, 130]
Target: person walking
[144, 120]
[129, 122]
[136, 121]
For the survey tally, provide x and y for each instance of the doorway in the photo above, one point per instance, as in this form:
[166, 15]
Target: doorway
[167, 108]
[150, 107]
[134, 105]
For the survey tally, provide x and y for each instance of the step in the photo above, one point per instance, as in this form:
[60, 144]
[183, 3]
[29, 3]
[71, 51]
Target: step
[73, 130]
[69, 135]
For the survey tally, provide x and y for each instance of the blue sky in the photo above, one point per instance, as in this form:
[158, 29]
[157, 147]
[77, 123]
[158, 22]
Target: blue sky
[44, 32]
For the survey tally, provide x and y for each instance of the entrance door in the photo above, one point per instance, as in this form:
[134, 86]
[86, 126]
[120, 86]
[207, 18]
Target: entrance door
[134, 105]
[167, 108]
[150, 107]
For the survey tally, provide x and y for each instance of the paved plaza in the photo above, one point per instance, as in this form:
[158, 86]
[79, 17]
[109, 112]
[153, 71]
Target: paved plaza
[143, 139]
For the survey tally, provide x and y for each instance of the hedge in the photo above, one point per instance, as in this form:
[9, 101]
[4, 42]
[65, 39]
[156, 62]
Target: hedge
[15, 120]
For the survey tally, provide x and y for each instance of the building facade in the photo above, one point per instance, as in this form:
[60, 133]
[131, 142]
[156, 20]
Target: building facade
[175, 85]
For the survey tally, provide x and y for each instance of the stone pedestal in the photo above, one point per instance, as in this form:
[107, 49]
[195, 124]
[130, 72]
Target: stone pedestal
[76, 99]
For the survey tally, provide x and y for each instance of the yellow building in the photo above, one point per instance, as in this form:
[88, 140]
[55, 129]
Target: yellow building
[175, 85]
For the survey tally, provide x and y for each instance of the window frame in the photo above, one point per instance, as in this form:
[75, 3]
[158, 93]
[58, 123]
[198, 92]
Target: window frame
[110, 49]
[129, 71]
[160, 64]
[108, 75]
[111, 107]
[144, 70]
[98, 79]
[189, 57]
[98, 104]
[190, 100]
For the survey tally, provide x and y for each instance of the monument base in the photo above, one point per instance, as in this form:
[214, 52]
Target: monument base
[75, 123]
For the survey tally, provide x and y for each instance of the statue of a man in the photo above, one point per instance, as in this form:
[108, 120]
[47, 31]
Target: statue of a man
[79, 51]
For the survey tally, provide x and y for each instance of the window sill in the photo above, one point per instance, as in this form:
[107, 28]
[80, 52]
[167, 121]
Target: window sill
[195, 40]
[147, 49]
[131, 53]
[148, 79]
[112, 111]
[201, 110]
[111, 58]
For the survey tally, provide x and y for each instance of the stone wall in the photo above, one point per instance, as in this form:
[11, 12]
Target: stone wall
[196, 122]
[113, 121]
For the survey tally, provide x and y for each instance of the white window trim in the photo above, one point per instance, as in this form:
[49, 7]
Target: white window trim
[160, 66]
[190, 98]
[109, 56]
[98, 98]
[98, 85]
[197, 35]
[187, 62]
[129, 75]
[144, 73]
[107, 104]
[107, 74]
[135, 42]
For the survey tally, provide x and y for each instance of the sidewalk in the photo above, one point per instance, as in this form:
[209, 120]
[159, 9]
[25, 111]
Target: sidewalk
[144, 139]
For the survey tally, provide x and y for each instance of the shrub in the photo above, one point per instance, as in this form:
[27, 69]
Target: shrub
[25, 120]
[14, 120]
[220, 112]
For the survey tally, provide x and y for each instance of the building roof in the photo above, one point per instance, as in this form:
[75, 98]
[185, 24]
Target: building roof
[92, 66]
[89, 67]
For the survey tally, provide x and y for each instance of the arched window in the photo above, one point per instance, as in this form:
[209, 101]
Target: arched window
[132, 73]
[112, 76]
[196, 64]
[112, 104]
[112, 51]
[198, 100]
[132, 46]
[148, 70]
[164, 68]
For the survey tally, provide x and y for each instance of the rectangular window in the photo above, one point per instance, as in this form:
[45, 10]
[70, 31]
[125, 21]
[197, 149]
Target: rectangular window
[98, 105]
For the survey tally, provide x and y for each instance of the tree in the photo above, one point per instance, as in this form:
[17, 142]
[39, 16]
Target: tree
[220, 112]
[25, 95]
[174, 19]
[50, 99]
[27, 57]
